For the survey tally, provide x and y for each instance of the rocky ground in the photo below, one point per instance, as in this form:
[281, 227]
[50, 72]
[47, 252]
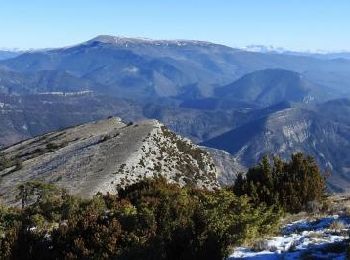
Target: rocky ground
[103, 155]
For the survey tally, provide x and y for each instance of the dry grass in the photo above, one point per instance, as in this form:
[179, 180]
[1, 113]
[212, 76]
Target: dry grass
[262, 245]
[316, 235]
[333, 205]
[289, 218]
[339, 204]
[337, 226]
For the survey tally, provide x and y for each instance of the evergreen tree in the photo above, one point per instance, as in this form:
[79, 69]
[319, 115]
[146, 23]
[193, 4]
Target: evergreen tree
[287, 184]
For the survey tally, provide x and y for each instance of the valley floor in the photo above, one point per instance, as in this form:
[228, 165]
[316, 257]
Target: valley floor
[316, 238]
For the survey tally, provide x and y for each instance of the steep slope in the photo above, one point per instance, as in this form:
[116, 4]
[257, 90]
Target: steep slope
[269, 87]
[227, 165]
[322, 131]
[104, 155]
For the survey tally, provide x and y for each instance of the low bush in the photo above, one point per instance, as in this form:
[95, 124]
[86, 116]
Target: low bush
[151, 219]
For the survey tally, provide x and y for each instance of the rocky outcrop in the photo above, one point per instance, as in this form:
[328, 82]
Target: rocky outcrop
[228, 166]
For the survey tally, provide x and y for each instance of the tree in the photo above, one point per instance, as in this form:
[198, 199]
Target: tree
[287, 184]
[36, 192]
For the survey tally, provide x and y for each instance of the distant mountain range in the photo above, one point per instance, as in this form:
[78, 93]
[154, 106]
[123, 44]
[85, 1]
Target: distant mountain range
[315, 54]
[245, 102]
[8, 54]
[141, 68]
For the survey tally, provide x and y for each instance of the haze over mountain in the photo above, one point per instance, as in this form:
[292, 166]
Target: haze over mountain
[8, 54]
[320, 54]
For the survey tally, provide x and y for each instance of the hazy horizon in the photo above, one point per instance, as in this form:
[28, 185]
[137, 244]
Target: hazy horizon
[248, 47]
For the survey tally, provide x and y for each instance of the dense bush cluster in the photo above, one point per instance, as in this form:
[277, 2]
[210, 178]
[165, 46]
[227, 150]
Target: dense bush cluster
[293, 185]
[151, 219]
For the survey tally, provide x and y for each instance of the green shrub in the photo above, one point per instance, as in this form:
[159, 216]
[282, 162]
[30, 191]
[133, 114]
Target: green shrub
[292, 185]
[151, 219]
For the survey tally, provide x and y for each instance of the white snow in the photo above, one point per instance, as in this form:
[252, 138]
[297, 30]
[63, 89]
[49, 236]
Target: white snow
[60, 93]
[300, 237]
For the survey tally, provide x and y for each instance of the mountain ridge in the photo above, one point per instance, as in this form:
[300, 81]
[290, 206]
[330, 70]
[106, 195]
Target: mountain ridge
[104, 155]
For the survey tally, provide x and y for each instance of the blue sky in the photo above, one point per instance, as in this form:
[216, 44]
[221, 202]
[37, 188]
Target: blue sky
[293, 24]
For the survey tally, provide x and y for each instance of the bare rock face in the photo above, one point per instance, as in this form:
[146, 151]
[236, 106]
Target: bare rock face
[104, 155]
[228, 166]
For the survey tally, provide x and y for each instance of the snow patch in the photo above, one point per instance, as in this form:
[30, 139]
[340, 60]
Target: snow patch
[298, 238]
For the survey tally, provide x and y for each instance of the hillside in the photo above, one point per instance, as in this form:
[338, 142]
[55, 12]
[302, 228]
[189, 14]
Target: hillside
[103, 155]
[321, 131]
[269, 87]
[17, 83]
[26, 116]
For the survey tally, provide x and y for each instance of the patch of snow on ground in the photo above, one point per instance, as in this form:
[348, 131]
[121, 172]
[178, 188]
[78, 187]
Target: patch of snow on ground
[303, 237]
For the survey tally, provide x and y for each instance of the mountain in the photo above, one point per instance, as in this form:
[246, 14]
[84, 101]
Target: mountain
[144, 69]
[104, 155]
[321, 131]
[134, 67]
[319, 54]
[269, 87]
[8, 54]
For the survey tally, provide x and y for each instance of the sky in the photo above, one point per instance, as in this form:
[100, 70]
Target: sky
[291, 24]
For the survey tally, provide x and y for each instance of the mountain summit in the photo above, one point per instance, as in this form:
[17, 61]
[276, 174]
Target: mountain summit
[119, 40]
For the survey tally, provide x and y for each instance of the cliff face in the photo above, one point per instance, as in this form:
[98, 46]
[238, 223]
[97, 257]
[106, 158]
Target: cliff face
[321, 132]
[227, 165]
[100, 156]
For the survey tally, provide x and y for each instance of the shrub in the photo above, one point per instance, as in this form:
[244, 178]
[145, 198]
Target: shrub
[151, 219]
[292, 185]
[6, 162]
